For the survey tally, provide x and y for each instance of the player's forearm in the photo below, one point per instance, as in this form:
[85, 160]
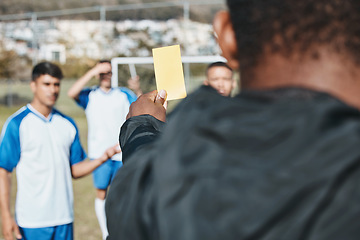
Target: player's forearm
[134, 85]
[136, 89]
[76, 88]
[5, 187]
[84, 168]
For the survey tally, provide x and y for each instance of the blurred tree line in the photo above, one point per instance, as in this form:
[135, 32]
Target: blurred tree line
[13, 66]
[201, 13]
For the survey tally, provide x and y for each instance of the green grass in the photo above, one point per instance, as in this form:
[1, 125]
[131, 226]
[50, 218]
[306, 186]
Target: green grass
[85, 225]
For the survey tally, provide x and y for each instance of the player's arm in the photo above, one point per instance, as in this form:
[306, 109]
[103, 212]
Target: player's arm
[134, 84]
[9, 226]
[83, 168]
[76, 88]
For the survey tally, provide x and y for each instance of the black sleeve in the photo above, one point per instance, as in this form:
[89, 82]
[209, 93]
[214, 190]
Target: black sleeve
[138, 131]
[131, 192]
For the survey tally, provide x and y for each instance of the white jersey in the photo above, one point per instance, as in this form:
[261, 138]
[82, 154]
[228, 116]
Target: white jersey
[42, 150]
[105, 113]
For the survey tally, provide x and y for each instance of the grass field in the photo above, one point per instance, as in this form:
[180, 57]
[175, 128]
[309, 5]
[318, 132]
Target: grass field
[85, 225]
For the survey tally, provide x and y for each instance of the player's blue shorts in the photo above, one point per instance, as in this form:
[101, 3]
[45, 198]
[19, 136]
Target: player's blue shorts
[61, 232]
[104, 174]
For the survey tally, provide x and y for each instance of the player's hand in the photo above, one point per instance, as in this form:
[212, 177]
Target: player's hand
[152, 103]
[100, 68]
[111, 151]
[10, 228]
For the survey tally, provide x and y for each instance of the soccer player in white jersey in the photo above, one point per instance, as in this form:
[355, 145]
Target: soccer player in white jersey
[44, 146]
[106, 109]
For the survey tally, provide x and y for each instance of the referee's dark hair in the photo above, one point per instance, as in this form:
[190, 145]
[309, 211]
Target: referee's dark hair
[287, 27]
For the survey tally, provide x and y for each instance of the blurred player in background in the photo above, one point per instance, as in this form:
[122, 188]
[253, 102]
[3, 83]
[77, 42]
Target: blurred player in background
[106, 109]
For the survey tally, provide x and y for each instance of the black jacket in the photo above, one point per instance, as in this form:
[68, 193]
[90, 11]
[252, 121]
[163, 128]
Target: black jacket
[281, 164]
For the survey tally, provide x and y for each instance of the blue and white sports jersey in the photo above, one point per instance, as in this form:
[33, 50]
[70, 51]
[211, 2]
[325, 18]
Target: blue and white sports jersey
[105, 113]
[42, 150]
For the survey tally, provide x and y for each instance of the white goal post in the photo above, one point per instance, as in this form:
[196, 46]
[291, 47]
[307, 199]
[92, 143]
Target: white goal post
[132, 61]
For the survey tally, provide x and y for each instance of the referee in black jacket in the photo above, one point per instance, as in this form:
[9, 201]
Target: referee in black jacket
[280, 161]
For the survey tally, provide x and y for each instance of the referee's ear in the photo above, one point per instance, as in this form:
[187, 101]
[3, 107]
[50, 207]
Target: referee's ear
[226, 38]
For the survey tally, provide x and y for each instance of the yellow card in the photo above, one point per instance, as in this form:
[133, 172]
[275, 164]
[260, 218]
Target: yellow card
[169, 73]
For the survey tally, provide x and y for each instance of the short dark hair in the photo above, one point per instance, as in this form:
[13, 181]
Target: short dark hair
[46, 68]
[105, 61]
[218, 64]
[286, 26]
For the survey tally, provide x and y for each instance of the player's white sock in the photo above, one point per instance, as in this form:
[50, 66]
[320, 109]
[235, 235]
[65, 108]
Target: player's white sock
[100, 214]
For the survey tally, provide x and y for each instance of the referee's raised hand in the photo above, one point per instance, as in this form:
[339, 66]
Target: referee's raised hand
[152, 103]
